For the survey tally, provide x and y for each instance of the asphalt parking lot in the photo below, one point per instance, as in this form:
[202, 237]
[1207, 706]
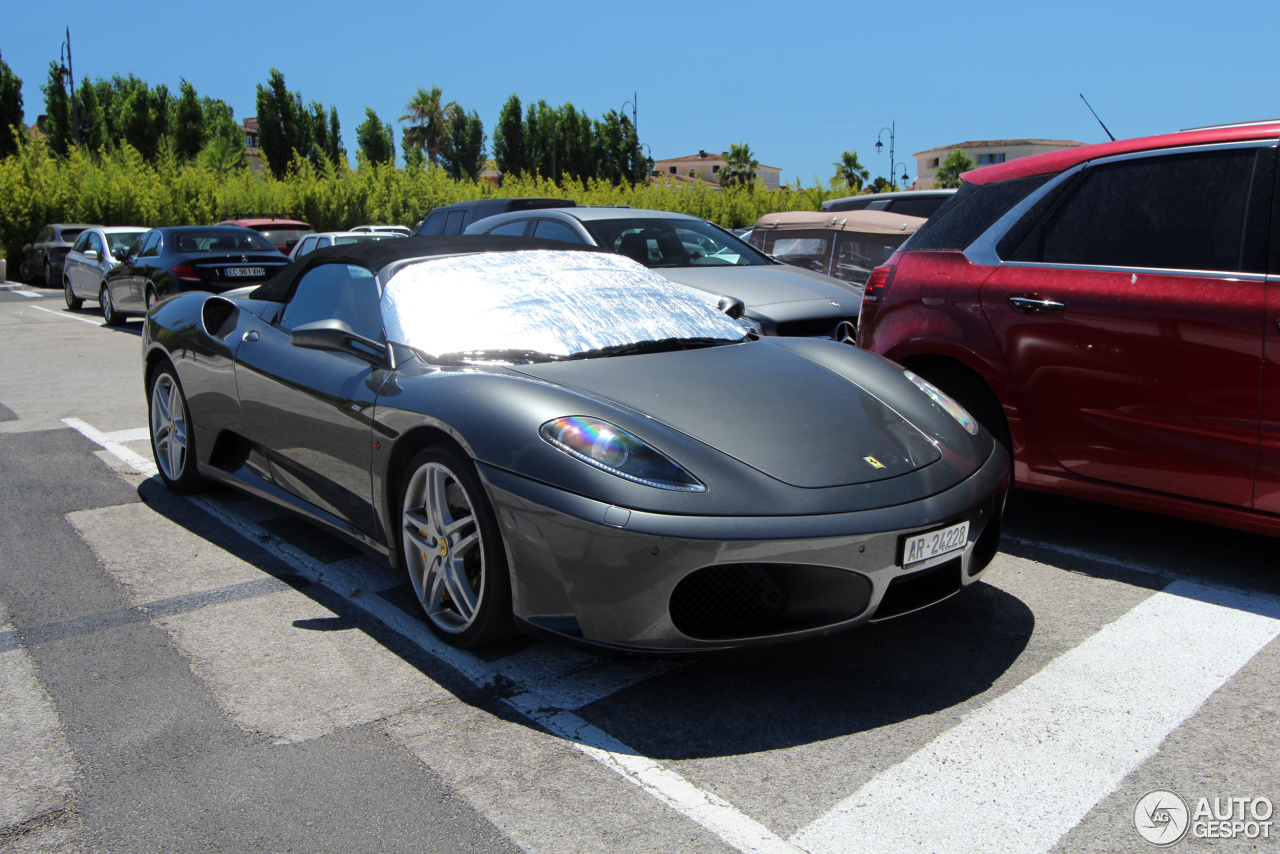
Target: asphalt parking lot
[210, 674]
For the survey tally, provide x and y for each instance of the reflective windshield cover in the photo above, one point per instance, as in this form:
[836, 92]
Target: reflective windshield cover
[675, 242]
[541, 305]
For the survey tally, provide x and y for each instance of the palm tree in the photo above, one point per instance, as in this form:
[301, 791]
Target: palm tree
[849, 170]
[430, 121]
[222, 155]
[948, 174]
[740, 167]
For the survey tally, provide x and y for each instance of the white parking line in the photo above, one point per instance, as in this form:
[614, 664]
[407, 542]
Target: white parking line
[30, 294]
[554, 681]
[66, 316]
[1026, 768]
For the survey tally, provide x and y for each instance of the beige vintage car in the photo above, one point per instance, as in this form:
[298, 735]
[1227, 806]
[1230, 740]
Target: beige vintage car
[847, 245]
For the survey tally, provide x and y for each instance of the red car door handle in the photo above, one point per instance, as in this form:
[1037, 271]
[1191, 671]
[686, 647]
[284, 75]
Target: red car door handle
[1029, 302]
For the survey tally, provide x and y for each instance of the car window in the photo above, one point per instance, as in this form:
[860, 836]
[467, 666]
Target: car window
[810, 250]
[343, 292]
[549, 229]
[453, 222]
[916, 207]
[151, 247]
[82, 242]
[971, 211]
[433, 224]
[322, 242]
[673, 243]
[70, 234]
[95, 243]
[1183, 212]
[308, 243]
[120, 241]
[45, 235]
[515, 229]
[857, 256]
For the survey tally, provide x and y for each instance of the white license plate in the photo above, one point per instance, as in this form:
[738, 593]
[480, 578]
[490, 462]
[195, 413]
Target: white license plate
[930, 545]
[246, 271]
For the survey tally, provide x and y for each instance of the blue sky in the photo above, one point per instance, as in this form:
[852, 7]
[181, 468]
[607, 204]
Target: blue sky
[800, 82]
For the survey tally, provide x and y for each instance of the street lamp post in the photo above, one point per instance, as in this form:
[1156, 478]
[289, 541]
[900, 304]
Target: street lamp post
[66, 71]
[635, 126]
[892, 163]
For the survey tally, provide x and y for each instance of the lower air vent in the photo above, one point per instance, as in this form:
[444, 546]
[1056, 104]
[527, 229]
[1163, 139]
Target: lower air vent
[909, 593]
[216, 314]
[742, 600]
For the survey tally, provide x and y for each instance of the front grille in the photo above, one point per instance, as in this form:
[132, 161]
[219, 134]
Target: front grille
[753, 599]
[909, 593]
[818, 327]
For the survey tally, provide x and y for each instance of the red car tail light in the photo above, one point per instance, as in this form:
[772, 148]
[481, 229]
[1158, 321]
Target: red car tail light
[878, 283]
[185, 273]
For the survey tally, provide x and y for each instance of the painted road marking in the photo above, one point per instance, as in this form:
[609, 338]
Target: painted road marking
[65, 316]
[111, 443]
[1023, 770]
[30, 294]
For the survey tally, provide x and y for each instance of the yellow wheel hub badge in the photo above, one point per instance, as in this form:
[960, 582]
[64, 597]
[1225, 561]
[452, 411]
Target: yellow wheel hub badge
[444, 548]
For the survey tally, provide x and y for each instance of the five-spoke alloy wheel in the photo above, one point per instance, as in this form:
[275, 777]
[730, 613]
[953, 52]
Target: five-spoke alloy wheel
[109, 314]
[73, 301]
[172, 439]
[453, 550]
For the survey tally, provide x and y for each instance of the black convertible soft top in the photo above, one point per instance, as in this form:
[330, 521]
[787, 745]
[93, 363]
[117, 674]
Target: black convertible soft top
[376, 254]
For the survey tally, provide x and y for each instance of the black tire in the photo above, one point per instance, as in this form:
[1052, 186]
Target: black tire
[976, 396]
[109, 314]
[173, 435]
[24, 271]
[478, 613]
[48, 274]
[73, 302]
[151, 297]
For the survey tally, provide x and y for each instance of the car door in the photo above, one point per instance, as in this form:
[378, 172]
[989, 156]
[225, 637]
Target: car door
[1266, 489]
[73, 267]
[91, 270]
[121, 280]
[311, 411]
[1131, 319]
[129, 294]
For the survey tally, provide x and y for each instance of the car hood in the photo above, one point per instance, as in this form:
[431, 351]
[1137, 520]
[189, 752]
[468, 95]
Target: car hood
[768, 408]
[766, 286]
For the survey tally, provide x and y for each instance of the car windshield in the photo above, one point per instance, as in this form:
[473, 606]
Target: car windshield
[364, 238]
[543, 306]
[674, 242]
[222, 241]
[284, 236]
[118, 242]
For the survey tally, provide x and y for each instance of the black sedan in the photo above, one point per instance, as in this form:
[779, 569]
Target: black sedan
[45, 254]
[562, 441]
[166, 261]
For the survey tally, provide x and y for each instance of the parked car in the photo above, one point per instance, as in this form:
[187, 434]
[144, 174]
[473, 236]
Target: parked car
[44, 255]
[402, 230]
[454, 219]
[845, 246]
[920, 203]
[165, 261]
[320, 240]
[1106, 312]
[779, 299]
[283, 233]
[557, 438]
[96, 251]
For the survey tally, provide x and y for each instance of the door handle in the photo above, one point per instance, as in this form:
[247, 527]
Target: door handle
[250, 336]
[1027, 302]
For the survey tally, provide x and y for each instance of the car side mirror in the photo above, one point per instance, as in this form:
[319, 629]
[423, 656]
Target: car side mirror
[731, 306]
[335, 336]
[90, 254]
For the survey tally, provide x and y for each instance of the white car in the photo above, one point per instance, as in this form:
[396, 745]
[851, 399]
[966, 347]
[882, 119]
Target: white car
[320, 240]
[96, 250]
[401, 230]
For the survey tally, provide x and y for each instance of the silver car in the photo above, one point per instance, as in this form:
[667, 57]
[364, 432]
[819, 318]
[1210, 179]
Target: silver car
[320, 240]
[96, 250]
[778, 299]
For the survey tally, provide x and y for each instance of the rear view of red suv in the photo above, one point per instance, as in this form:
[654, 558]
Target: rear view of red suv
[283, 233]
[1111, 314]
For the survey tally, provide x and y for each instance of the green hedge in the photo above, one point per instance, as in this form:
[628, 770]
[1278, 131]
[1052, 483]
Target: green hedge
[120, 188]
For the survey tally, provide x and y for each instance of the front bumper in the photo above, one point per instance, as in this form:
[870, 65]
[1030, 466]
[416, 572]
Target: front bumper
[608, 577]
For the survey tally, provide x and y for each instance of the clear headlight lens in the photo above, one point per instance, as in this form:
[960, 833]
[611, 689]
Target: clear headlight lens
[612, 449]
[944, 400]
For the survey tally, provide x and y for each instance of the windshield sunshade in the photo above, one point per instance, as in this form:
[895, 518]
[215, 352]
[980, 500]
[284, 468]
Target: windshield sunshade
[544, 304]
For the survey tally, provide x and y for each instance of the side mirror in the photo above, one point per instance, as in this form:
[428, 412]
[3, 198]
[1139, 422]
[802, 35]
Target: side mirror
[336, 336]
[731, 306]
[90, 254]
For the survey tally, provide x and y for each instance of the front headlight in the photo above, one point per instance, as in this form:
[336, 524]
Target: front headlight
[945, 400]
[612, 449]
